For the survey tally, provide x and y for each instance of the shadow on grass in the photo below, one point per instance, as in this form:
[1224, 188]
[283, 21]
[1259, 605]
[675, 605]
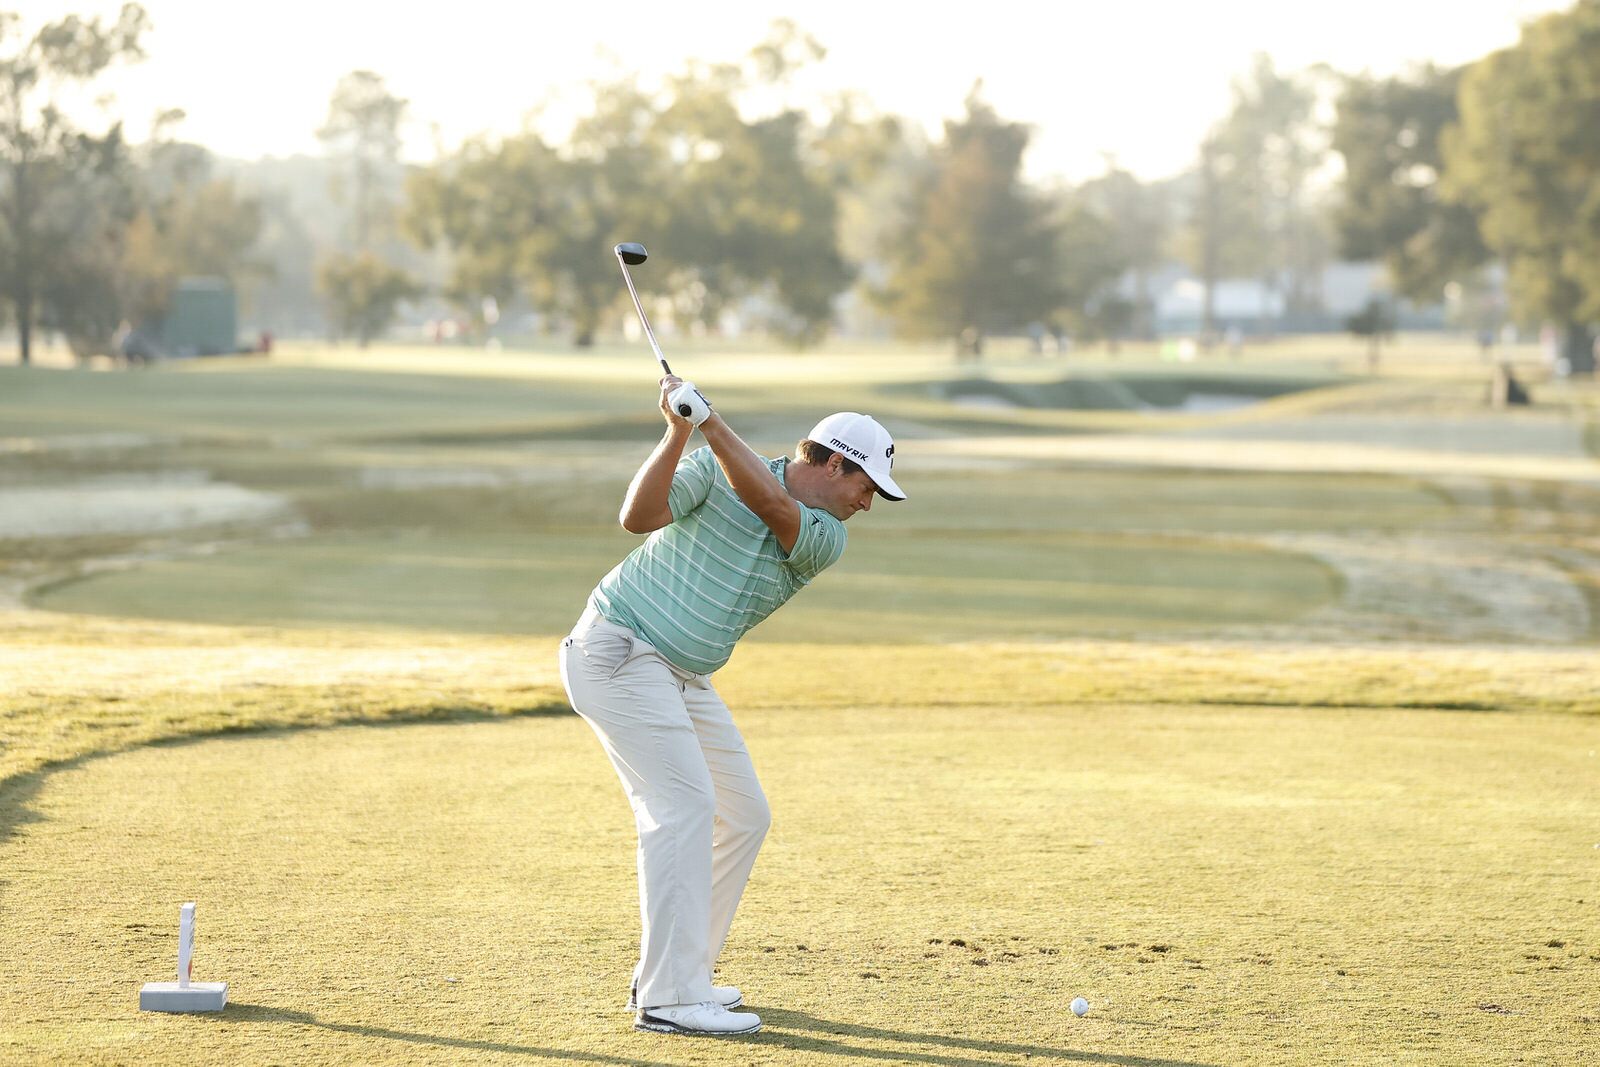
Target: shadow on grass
[258, 1013]
[938, 1049]
[935, 1044]
[443, 714]
[17, 794]
[19, 791]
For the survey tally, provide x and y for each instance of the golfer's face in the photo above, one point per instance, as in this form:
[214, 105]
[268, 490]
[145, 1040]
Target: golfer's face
[852, 493]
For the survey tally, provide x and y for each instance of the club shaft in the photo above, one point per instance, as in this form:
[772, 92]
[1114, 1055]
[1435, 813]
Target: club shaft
[643, 318]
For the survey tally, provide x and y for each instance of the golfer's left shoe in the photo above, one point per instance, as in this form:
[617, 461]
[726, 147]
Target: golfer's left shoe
[726, 995]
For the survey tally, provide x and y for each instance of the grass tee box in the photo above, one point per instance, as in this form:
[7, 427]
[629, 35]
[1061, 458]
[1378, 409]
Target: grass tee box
[1225, 886]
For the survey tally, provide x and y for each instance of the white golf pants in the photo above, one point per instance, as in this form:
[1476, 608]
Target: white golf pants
[699, 809]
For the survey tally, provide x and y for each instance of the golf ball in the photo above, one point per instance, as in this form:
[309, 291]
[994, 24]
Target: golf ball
[1080, 1007]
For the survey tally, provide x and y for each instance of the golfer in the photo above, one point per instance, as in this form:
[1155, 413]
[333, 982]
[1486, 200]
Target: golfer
[732, 537]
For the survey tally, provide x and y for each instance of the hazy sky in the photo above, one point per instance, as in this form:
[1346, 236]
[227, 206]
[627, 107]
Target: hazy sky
[1140, 78]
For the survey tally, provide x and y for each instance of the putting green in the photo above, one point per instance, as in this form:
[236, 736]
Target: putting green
[1225, 886]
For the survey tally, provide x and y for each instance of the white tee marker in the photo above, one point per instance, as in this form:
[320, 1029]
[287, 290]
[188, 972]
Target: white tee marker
[184, 995]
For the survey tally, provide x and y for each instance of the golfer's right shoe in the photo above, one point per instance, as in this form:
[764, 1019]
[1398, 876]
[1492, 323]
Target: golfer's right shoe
[706, 1019]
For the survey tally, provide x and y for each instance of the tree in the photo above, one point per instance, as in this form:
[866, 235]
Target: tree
[521, 218]
[363, 125]
[481, 203]
[1525, 155]
[1138, 218]
[614, 184]
[869, 163]
[748, 215]
[362, 290]
[735, 205]
[362, 293]
[283, 296]
[1273, 142]
[1214, 238]
[53, 177]
[1090, 262]
[1388, 133]
[186, 223]
[979, 253]
[91, 196]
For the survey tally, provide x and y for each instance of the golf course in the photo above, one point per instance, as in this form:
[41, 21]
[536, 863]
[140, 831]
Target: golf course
[1255, 699]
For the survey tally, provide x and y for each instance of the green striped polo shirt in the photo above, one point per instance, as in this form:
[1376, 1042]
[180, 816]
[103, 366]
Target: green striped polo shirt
[700, 582]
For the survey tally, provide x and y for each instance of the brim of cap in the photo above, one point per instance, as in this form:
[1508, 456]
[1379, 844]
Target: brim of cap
[886, 487]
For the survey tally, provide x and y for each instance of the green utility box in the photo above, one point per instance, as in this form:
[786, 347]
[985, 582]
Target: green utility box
[203, 321]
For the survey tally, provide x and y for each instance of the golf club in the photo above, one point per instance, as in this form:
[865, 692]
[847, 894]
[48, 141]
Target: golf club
[688, 400]
[634, 254]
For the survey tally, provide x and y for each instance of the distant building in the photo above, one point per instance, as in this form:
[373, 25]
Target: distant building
[1249, 307]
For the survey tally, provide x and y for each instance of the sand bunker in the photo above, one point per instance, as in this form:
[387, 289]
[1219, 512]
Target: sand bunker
[133, 504]
[1444, 587]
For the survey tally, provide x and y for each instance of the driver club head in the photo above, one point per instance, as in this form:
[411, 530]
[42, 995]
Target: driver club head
[631, 254]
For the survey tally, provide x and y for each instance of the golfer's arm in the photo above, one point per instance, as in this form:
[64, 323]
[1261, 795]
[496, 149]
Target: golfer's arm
[646, 509]
[753, 481]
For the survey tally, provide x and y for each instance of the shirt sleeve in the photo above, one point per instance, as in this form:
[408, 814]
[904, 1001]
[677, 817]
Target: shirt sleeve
[692, 482]
[818, 546]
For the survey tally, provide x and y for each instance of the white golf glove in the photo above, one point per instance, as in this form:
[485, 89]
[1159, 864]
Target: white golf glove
[689, 402]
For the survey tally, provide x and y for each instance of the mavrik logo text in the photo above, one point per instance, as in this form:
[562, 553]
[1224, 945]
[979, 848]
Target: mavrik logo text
[849, 450]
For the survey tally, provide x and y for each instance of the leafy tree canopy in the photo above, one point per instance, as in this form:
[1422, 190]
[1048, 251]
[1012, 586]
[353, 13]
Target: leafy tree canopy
[63, 191]
[979, 251]
[1525, 156]
[1388, 133]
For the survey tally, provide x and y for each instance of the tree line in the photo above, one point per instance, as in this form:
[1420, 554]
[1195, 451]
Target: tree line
[1443, 175]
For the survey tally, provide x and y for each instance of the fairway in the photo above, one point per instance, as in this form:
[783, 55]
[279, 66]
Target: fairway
[973, 584]
[1270, 730]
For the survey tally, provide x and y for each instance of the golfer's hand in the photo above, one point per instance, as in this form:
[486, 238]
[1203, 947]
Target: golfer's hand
[691, 407]
[668, 384]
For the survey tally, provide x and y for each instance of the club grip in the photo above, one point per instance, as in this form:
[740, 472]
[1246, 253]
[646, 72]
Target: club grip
[690, 403]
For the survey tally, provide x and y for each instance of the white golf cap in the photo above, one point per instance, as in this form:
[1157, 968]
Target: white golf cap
[862, 439]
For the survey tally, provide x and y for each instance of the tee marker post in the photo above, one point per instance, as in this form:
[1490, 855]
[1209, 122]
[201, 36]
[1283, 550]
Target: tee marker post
[184, 995]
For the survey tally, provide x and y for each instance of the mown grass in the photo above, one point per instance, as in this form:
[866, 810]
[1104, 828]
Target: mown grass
[1226, 885]
[1015, 743]
[79, 687]
[952, 586]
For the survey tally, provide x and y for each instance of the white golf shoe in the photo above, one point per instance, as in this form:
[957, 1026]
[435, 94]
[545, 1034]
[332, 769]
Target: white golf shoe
[707, 1018]
[726, 995]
